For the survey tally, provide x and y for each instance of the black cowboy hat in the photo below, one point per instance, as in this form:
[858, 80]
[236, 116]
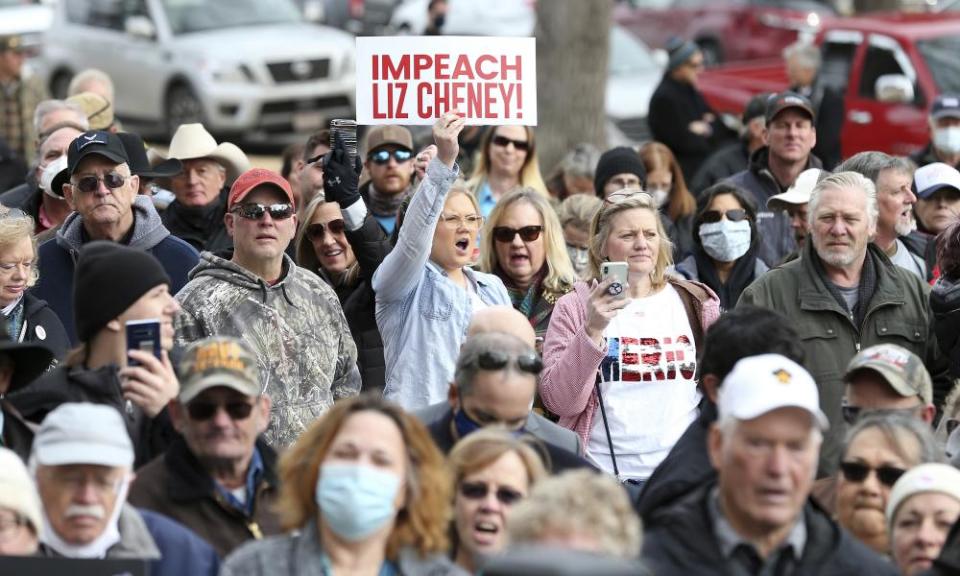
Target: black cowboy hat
[30, 359]
[140, 165]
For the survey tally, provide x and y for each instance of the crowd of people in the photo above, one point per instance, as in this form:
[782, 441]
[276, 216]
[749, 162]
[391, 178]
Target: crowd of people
[707, 354]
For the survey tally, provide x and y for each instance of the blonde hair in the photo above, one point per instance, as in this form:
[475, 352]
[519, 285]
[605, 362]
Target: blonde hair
[15, 225]
[307, 256]
[560, 275]
[422, 524]
[579, 210]
[578, 501]
[529, 173]
[600, 233]
[484, 447]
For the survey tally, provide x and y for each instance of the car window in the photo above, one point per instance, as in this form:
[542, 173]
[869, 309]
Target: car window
[837, 58]
[186, 16]
[884, 56]
[940, 55]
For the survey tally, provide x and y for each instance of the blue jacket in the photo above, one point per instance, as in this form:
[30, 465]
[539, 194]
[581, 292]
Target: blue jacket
[58, 256]
[181, 551]
[422, 315]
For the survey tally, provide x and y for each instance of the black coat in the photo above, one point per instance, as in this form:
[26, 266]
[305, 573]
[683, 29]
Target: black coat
[720, 165]
[830, 112]
[203, 228]
[63, 384]
[673, 107]
[679, 540]
[26, 197]
[17, 433]
[43, 326]
[945, 303]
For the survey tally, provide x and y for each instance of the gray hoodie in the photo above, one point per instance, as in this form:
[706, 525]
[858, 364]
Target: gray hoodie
[296, 328]
[148, 229]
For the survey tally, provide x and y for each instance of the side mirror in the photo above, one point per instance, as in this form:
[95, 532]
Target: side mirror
[140, 27]
[894, 89]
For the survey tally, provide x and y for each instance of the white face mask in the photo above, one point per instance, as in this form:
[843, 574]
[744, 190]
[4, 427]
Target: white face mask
[726, 240]
[947, 139]
[659, 196]
[50, 172]
[101, 544]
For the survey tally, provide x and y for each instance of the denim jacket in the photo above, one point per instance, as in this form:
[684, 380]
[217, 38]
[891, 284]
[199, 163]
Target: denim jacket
[422, 315]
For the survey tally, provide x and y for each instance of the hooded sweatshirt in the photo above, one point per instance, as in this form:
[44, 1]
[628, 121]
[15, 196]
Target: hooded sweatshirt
[296, 328]
[58, 257]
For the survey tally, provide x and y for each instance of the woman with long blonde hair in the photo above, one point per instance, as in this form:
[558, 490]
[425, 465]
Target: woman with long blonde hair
[507, 160]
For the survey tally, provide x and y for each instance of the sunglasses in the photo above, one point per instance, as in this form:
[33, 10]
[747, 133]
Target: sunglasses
[317, 231]
[735, 215]
[201, 411]
[856, 472]
[493, 360]
[852, 413]
[479, 491]
[952, 425]
[506, 235]
[111, 180]
[381, 157]
[256, 211]
[503, 141]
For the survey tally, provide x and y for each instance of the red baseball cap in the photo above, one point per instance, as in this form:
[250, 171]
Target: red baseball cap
[258, 177]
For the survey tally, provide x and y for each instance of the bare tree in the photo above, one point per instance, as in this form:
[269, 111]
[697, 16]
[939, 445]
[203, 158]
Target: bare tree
[572, 53]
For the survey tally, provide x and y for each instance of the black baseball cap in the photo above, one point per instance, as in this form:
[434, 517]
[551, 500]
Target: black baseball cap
[105, 144]
[756, 107]
[784, 100]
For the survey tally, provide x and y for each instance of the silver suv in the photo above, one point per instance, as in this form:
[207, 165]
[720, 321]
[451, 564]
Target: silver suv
[250, 68]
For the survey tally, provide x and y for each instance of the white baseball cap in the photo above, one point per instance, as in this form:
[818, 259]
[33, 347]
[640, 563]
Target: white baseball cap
[797, 194]
[764, 383]
[932, 177]
[83, 433]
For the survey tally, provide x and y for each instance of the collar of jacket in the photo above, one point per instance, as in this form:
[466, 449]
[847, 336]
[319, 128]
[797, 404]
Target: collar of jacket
[148, 229]
[200, 217]
[135, 539]
[814, 295]
[187, 481]
[759, 165]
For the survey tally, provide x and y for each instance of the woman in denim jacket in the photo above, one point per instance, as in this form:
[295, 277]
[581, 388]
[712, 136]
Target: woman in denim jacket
[426, 291]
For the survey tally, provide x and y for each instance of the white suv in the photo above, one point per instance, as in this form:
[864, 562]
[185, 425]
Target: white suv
[251, 68]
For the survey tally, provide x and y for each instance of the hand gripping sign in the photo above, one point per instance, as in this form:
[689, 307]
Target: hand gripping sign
[415, 79]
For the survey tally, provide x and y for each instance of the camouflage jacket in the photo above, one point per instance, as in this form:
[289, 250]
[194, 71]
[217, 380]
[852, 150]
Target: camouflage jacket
[296, 327]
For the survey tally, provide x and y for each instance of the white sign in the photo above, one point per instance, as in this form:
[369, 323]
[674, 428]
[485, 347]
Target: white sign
[415, 79]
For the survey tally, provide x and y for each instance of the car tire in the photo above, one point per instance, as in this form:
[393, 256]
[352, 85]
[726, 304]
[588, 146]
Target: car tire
[712, 52]
[182, 107]
[60, 84]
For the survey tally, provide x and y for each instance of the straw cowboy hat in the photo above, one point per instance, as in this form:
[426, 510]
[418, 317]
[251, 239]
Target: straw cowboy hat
[193, 141]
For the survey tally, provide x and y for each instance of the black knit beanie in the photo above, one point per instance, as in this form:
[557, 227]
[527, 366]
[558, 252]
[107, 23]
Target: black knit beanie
[108, 279]
[620, 160]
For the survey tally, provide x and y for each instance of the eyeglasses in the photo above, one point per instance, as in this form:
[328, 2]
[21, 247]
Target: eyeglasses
[503, 141]
[201, 411]
[852, 413]
[493, 360]
[857, 472]
[317, 231]
[111, 180]
[696, 65]
[479, 491]
[470, 221]
[735, 215]
[256, 211]
[381, 157]
[506, 235]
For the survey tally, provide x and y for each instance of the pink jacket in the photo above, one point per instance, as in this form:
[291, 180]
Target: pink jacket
[571, 358]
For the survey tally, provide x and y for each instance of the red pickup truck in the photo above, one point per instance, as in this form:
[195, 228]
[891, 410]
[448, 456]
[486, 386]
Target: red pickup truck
[888, 68]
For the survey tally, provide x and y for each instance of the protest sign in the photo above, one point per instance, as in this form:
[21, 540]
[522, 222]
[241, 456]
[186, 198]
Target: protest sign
[415, 79]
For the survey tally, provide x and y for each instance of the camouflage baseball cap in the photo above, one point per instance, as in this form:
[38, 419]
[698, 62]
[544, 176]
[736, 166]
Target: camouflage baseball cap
[218, 361]
[901, 368]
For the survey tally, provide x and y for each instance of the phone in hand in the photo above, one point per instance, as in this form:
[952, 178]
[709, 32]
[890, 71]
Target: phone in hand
[143, 335]
[347, 129]
[618, 271]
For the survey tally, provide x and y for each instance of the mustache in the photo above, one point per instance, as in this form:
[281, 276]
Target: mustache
[91, 510]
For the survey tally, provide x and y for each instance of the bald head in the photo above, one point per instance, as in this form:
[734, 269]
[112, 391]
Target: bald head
[502, 319]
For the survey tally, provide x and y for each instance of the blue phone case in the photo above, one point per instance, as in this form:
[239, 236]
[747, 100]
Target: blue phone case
[143, 335]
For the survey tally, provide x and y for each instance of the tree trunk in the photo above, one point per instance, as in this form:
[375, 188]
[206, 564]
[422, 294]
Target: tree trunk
[572, 54]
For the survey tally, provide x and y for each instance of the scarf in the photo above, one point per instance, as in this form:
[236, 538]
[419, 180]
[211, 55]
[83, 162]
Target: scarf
[740, 277]
[387, 204]
[530, 301]
[868, 285]
[14, 315]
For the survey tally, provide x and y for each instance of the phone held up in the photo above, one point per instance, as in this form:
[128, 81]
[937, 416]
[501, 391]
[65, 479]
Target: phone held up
[618, 271]
[143, 335]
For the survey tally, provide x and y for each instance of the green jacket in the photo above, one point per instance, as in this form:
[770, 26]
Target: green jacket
[899, 313]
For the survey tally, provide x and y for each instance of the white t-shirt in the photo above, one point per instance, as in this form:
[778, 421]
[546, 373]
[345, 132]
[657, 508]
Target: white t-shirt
[648, 385]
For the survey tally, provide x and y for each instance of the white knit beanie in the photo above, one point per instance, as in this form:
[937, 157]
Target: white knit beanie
[17, 491]
[941, 478]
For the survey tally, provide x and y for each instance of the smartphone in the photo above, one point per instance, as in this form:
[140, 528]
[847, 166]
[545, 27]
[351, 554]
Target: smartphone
[347, 129]
[617, 270]
[143, 335]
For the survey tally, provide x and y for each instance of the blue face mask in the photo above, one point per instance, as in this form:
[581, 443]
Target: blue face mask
[465, 424]
[725, 241]
[355, 501]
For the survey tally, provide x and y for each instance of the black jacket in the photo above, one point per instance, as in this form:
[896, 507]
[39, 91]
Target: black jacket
[945, 303]
[673, 107]
[679, 540]
[63, 384]
[926, 156]
[26, 197]
[42, 325]
[720, 165]
[829, 124]
[203, 228]
[17, 432]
